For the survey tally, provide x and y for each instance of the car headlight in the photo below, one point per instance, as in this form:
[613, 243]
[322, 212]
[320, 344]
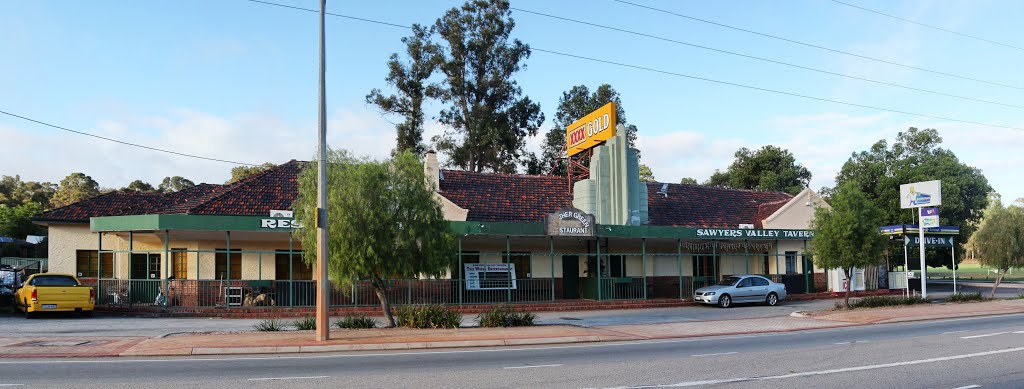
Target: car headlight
[709, 293]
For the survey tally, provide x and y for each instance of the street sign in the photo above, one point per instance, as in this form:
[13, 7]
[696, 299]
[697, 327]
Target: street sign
[929, 217]
[921, 194]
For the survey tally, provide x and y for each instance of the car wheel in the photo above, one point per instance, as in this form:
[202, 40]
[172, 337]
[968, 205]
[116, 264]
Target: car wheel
[772, 300]
[725, 301]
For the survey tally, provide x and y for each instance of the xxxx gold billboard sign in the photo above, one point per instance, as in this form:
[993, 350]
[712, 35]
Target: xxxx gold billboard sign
[596, 127]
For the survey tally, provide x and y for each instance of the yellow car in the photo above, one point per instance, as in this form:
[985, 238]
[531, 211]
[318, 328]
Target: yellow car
[50, 292]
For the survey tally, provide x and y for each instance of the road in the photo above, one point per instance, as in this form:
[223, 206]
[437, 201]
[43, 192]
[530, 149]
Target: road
[956, 353]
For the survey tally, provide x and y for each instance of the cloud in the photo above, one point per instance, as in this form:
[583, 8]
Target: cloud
[50, 155]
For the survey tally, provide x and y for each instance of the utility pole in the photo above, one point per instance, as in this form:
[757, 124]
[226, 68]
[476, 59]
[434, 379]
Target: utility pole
[323, 329]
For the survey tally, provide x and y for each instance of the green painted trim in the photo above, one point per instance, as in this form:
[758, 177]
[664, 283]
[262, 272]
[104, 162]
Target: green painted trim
[177, 222]
[497, 228]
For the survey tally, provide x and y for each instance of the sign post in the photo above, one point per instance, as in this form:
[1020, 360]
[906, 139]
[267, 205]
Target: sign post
[920, 195]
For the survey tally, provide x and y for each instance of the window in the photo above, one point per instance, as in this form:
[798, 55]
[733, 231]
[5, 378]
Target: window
[521, 260]
[53, 280]
[704, 266]
[222, 271]
[758, 281]
[791, 262]
[179, 262]
[300, 270]
[765, 265]
[87, 264]
[745, 283]
[144, 266]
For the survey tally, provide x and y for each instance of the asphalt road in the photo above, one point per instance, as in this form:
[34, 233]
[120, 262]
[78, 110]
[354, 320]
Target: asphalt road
[958, 353]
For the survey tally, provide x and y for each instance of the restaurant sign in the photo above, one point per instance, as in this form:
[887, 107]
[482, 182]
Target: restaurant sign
[569, 222]
[590, 130]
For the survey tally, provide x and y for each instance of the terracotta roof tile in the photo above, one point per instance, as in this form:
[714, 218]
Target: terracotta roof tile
[505, 197]
[706, 206]
[488, 196]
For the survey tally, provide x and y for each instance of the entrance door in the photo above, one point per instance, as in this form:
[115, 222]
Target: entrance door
[705, 268]
[570, 277]
[144, 267]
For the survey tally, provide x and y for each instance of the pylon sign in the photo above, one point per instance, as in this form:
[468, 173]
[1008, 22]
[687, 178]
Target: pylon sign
[921, 194]
[590, 130]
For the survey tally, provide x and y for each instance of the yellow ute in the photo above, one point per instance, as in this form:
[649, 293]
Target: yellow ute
[49, 292]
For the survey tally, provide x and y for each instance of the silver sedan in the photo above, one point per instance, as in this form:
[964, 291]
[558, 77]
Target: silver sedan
[741, 289]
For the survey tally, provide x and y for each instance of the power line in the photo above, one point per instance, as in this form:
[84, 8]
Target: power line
[771, 90]
[661, 38]
[666, 72]
[328, 13]
[822, 47]
[124, 142]
[931, 26]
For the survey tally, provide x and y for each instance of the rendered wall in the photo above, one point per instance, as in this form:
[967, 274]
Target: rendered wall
[614, 193]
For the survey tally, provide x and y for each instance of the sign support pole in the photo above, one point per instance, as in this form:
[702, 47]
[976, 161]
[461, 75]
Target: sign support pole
[924, 278]
[952, 255]
[906, 264]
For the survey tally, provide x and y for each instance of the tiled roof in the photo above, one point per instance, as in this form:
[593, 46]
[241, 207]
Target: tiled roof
[505, 197]
[487, 196]
[255, 195]
[706, 206]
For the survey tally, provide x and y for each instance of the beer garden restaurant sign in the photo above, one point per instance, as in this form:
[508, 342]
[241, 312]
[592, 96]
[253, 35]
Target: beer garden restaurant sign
[569, 222]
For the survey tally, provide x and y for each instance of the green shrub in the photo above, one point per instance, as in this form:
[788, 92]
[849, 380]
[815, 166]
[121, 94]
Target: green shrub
[885, 301]
[356, 320]
[965, 297]
[269, 325]
[505, 316]
[305, 323]
[427, 316]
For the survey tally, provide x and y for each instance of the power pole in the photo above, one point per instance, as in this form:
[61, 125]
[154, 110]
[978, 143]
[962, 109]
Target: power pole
[323, 329]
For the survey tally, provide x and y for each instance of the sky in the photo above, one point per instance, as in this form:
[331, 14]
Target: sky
[237, 80]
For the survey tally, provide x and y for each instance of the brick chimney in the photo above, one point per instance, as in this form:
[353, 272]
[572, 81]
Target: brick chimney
[432, 170]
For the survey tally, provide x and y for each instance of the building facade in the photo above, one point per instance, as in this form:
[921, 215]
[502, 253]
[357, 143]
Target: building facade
[521, 238]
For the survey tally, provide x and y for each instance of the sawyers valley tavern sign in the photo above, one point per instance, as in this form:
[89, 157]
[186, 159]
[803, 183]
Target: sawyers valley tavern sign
[749, 233]
[569, 222]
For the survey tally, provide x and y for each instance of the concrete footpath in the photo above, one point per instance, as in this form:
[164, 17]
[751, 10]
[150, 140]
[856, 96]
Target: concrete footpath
[406, 339]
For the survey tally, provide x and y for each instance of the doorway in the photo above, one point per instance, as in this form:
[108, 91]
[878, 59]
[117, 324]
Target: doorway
[570, 277]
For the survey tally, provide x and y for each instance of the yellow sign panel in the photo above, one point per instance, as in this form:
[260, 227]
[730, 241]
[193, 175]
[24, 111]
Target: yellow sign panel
[596, 127]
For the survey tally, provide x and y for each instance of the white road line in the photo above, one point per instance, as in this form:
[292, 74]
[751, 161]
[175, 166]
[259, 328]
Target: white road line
[1018, 332]
[840, 343]
[968, 387]
[531, 366]
[982, 336]
[713, 354]
[287, 378]
[955, 332]
[12, 384]
[833, 371]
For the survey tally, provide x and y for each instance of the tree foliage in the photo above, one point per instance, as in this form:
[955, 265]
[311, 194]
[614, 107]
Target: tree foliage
[410, 81]
[574, 104]
[139, 186]
[688, 181]
[999, 240]
[14, 191]
[16, 222]
[384, 222]
[769, 168]
[914, 157]
[174, 184]
[646, 175]
[847, 235]
[241, 172]
[74, 188]
[486, 114]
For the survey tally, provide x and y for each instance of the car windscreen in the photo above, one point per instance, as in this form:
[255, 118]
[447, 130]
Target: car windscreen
[729, 281]
[54, 281]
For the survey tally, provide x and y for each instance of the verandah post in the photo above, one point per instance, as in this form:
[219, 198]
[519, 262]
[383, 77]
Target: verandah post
[777, 270]
[508, 260]
[462, 285]
[167, 269]
[803, 264]
[291, 266]
[551, 253]
[227, 299]
[643, 265]
[746, 254]
[714, 262]
[599, 269]
[99, 267]
[679, 261]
